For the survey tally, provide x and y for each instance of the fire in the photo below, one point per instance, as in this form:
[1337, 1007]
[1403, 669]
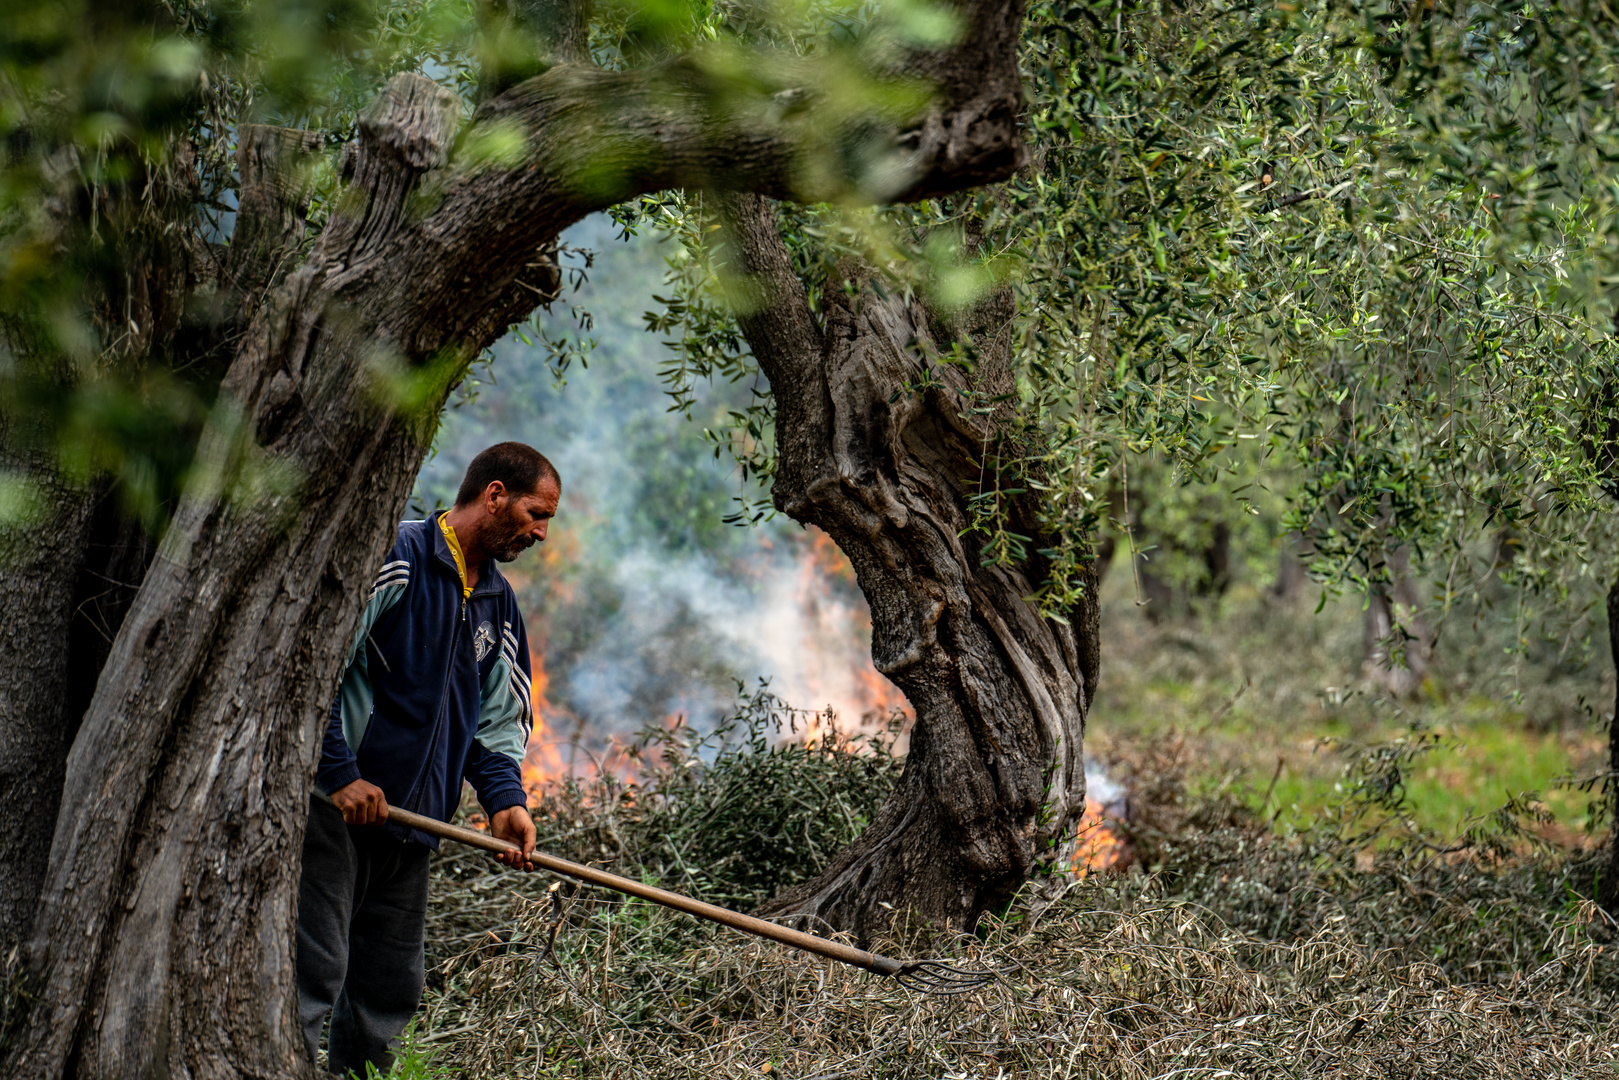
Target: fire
[542, 763]
[836, 675]
[1098, 843]
[826, 558]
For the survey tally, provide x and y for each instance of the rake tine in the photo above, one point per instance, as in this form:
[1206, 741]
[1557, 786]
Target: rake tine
[940, 979]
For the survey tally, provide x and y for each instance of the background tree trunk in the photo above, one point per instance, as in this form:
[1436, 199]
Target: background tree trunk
[1394, 618]
[39, 584]
[77, 596]
[1608, 882]
[995, 774]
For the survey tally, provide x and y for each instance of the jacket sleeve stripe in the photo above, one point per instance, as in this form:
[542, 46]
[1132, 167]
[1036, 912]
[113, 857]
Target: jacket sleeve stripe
[398, 577]
[505, 717]
[355, 694]
[527, 715]
[522, 679]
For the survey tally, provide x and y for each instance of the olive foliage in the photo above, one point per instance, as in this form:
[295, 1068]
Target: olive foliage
[1345, 268]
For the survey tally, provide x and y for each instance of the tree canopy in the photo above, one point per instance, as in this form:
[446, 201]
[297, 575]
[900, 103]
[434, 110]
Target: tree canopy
[1378, 244]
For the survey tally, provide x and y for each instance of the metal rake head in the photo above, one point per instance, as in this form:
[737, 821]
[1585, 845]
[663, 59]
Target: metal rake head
[939, 978]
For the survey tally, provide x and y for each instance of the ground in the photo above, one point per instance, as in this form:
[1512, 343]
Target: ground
[1295, 929]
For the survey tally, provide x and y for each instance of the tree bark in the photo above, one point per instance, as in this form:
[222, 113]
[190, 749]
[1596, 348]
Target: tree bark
[1608, 881]
[274, 164]
[38, 582]
[162, 944]
[995, 775]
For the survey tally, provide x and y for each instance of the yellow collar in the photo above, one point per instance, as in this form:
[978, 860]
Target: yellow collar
[455, 549]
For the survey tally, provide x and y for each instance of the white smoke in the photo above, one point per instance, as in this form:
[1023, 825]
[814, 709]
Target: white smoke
[658, 609]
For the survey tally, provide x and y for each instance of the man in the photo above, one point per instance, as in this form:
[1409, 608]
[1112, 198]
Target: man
[436, 689]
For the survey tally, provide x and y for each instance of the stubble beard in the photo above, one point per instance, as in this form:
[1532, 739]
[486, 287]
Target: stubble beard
[509, 542]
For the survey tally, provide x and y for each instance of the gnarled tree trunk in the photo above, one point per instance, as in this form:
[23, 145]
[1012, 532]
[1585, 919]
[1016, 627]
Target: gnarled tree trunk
[995, 775]
[163, 940]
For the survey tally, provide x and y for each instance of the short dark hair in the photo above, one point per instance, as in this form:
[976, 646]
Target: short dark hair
[519, 467]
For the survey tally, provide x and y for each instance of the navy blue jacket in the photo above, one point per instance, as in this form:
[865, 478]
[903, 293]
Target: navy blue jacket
[435, 689]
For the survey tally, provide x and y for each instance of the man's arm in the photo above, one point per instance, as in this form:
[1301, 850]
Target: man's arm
[338, 774]
[494, 765]
[338, 767]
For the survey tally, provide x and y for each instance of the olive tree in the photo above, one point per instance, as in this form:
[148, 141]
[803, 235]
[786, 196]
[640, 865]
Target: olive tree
[157, 921]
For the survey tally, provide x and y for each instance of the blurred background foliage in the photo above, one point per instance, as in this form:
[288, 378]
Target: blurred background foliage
[118, 188]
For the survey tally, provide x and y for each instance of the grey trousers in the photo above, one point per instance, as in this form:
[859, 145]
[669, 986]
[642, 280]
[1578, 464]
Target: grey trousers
[362, 915]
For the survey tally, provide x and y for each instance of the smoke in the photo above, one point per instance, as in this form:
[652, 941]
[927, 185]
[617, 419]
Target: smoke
[666, 646]
[643, 604]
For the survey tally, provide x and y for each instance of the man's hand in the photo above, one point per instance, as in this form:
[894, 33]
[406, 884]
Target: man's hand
[514, 824]
[363, 803]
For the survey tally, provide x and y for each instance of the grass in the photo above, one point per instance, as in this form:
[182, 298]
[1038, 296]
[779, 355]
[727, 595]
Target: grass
[1273, 689]
[1470, 770]
[1226, 950]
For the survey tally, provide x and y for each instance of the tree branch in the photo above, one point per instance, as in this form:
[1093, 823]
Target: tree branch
[764, 291]
[587, 139]
[271, 205]
[765, 124]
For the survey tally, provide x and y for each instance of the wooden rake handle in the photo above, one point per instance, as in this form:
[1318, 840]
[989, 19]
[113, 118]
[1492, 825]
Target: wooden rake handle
[795, 939]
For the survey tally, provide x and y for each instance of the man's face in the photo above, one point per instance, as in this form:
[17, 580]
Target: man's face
[521, 522]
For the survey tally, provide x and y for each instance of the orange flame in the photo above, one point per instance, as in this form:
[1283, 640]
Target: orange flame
[542, 762]
[843, 679]
[1099, 844]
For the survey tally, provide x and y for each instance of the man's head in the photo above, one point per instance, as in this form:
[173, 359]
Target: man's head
[510, 493]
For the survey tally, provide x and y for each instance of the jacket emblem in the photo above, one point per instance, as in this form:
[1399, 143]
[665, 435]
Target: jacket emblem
[483, 640]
